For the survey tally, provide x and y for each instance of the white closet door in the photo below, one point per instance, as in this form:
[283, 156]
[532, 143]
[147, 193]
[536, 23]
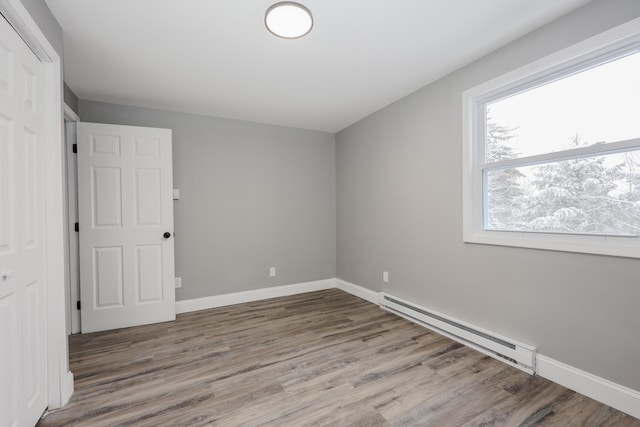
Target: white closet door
[125, 206]
[22, 256]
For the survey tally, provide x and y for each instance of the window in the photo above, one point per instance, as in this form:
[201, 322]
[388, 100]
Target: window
[552, 151]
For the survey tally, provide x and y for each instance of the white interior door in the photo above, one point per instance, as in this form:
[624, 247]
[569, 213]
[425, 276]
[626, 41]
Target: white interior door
[23, 334]
[125, 206]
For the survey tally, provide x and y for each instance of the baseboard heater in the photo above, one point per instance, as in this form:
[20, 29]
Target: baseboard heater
[506, 350]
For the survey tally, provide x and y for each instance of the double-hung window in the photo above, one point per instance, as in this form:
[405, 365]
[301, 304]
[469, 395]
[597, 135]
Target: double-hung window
[552, 151]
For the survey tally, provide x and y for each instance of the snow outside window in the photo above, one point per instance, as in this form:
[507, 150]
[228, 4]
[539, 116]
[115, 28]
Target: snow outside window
[552, 151]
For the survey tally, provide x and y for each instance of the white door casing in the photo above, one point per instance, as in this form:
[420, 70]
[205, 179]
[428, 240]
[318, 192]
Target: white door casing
[23, 287]
[125, 207]
[72, 292]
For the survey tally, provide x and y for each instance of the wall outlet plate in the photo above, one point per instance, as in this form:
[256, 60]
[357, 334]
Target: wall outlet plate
[178, 282]
[272, 272]
[385, 276]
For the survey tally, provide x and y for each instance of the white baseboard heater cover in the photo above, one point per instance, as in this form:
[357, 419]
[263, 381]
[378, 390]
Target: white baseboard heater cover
[506, 350]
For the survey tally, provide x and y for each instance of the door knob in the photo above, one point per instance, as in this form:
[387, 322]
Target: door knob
[6, 274]
[166, 235]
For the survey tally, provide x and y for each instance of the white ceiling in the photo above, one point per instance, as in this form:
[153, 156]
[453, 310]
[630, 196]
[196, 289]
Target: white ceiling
[215, 57]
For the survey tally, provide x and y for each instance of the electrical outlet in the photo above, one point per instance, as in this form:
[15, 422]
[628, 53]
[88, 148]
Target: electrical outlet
[178, 282]
[176, 194]
[272, 272]
[385, 276]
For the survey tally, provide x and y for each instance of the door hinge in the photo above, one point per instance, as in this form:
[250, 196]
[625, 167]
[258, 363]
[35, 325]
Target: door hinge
[78, 305]
[77, 227]
[75, 148]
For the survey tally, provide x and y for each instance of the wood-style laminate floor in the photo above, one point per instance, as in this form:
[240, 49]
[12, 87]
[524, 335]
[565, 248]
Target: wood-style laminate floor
[322, 358]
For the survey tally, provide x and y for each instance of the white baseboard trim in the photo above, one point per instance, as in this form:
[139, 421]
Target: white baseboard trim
[615, 395]
[196, 304]
[66, 389]
[359, 291]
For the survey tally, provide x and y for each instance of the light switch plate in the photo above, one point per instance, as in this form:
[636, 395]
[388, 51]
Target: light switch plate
[176, 194]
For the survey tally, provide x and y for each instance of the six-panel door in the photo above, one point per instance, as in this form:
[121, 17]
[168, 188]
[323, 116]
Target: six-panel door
[22, 255]
[125, 207]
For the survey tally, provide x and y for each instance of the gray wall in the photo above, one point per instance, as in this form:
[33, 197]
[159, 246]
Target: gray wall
[40, 13]
[399, 208]
[252, 196]
[70, 98]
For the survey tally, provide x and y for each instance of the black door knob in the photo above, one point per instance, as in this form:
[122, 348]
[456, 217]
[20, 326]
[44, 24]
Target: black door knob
[166, 235]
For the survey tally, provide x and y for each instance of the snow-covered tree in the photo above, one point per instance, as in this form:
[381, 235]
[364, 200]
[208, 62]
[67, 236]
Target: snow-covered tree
[580, 196]
[591, 195]
[503, 186]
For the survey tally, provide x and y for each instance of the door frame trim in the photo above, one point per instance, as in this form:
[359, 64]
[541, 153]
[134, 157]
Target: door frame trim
[72, 264]
[59, 378]
[69, 114]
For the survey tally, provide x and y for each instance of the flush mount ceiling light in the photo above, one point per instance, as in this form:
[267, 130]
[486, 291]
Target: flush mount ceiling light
[288, 20]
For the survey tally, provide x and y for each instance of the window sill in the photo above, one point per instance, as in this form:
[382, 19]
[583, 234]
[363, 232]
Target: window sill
[628, 247]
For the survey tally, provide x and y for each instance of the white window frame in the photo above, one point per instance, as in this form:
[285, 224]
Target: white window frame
[607, 45]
